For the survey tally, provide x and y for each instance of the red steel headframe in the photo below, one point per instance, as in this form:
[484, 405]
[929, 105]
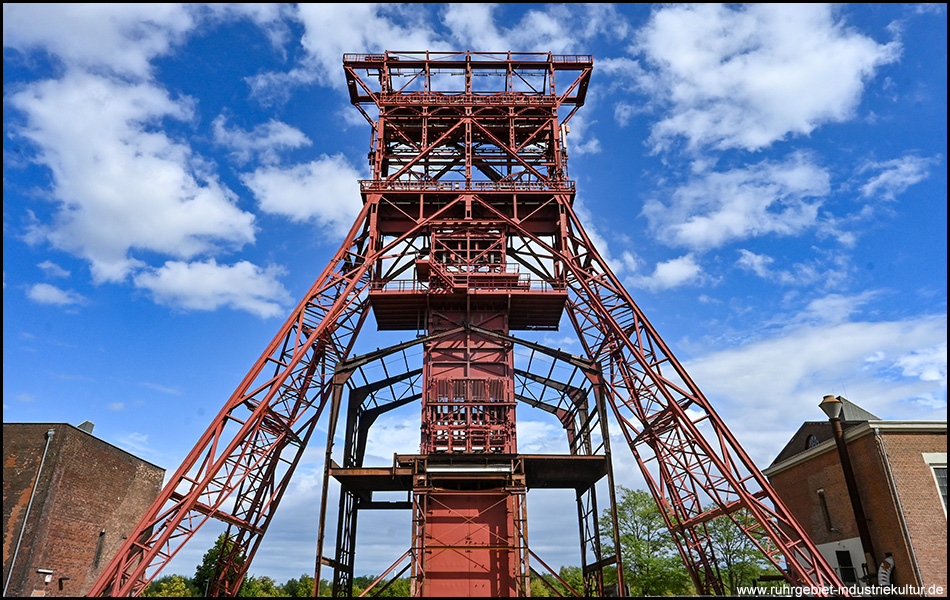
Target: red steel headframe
[496, 156]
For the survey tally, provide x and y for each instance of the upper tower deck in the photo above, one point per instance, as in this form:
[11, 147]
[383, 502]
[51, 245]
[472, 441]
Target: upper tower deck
[474, 78]
[465, 148]
[449, 122]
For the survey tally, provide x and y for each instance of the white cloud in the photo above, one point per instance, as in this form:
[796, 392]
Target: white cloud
[747, 77]
[120, 184]
[559, 28]
[271, 18]
[161, 388]
[51, 269]
[397, 432]
[579, 140]
[136, 442]
[209, 286]
[765, 389]
[895, 176]
[930, 8]
[757, 263]
[541, 437]
[834, 308]
[473, 25]
[325, 191]
[716, 208]
[599, 243]
[565, 341]
[928, 364]
[798, 274]
[123, 37]
[45, 293]
[263, 142]
[332, 29]
[673, 273]
[624, 112]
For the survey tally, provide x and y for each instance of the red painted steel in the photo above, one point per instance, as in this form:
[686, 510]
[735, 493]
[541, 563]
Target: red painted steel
[469, 538]
[467, 233]
[469, 403]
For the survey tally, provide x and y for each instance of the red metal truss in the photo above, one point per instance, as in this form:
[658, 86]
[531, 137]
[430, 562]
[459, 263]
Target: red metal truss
[467, 233]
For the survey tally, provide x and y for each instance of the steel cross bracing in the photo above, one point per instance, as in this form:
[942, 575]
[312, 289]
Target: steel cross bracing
[554, 381]
[469, 203]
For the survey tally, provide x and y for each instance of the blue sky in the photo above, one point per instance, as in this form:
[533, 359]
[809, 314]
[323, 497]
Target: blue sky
[769, 182]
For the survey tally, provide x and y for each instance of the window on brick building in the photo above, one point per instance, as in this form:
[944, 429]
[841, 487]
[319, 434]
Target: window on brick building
[937, 461]
[824, 510]
[940, 474]
[99, 543]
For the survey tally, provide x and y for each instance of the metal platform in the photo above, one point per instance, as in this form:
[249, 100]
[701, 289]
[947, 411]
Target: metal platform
[543, 471]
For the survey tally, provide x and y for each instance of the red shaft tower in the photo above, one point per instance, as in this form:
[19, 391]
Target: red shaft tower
[467, 234]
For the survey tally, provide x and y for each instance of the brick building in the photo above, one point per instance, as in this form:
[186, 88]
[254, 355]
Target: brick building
[87, 498]
[900, 471]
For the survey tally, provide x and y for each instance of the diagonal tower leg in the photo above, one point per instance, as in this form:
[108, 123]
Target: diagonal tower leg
[686, 453]
[240, 467]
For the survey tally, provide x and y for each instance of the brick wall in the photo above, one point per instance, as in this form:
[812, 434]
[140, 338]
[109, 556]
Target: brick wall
[89, 497]
[920, 501]
[798, 488]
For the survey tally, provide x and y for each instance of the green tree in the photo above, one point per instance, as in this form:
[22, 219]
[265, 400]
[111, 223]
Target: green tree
[260, 587]
[740, 562]
[551, 586]
[539, 589]
[362, 582]
[652, 564]
[207, 570]
[399, 588]
[572, 576]
[302, 588]
[169, 586]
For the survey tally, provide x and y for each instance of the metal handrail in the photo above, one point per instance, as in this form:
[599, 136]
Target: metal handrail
[523, 284]
[439, 98]
[566, 185]
[501, 56]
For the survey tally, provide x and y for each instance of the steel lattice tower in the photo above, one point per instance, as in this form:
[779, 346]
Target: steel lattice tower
[467, 233]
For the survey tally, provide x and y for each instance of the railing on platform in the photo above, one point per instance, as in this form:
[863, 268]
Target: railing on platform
[443, 98]
[540, 57]
[372, 185]
[523, 284]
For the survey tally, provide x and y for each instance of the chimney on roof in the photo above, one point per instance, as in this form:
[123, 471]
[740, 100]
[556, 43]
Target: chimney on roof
[87, 426]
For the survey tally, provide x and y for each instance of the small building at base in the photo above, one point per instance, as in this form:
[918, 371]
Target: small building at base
[900, 471]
